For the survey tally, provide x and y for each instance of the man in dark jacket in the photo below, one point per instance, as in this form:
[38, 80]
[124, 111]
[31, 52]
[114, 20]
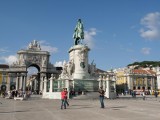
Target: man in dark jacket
[101, 97]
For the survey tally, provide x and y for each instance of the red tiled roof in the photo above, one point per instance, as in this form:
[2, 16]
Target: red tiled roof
[140, 71]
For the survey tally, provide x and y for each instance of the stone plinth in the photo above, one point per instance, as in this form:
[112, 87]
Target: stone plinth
[86, 85]
[79, 55]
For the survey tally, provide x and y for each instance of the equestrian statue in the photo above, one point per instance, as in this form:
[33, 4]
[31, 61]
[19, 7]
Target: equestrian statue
[78, 32]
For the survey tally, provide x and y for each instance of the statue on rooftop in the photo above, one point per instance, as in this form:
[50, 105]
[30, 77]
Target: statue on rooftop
[34, 45]
[78, 32]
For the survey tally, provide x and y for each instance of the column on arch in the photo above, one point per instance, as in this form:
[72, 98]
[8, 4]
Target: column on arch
[45, 84]
[17, 81]
[9, 82]
[51, 84]
[35, 84]
[41, 83]
[24, 77]
[21, 82]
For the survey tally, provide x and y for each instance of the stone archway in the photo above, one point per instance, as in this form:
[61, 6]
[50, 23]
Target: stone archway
[32, 56]
[33, 79]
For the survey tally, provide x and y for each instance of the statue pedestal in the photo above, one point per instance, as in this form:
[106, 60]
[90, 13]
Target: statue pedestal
[79, 55]
[89, 85]
[81, 78]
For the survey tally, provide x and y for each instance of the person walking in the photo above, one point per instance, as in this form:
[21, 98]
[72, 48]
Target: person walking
[144, 96]
[101, 97]
[156, 94]
[63, 99]
[66, 100]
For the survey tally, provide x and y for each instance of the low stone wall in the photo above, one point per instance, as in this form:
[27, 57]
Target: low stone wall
[53, 95]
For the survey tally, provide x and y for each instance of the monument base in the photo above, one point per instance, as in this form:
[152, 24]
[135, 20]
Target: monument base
[79, 55]
[86, 85]
[81, 75]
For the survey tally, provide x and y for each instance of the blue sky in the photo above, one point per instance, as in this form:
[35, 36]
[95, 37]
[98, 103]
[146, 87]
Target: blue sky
[119, 32]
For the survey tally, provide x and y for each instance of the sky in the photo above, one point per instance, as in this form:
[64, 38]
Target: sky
[118, 32]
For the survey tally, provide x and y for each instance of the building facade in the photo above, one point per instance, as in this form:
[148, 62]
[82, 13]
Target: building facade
[4, 77]
[136, 80]
[157, 70]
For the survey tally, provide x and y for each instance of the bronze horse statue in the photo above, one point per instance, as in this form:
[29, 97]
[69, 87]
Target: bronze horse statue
[78, 32]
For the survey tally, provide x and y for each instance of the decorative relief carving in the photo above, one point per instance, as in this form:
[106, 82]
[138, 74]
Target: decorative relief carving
[82, 54]
[44, 61]
[33, 59]
[22, 59]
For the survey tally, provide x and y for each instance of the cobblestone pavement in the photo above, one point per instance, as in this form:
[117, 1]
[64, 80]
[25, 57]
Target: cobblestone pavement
[123, 108]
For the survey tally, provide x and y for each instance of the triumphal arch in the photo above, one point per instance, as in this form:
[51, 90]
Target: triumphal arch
[33, 56]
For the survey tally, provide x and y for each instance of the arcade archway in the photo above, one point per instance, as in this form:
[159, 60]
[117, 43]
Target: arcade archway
[33, 56]
[33, 79]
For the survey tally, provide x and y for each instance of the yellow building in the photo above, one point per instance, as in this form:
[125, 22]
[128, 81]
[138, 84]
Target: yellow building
[3, 76]
[121, 78]
[135, 80]
[121, 81]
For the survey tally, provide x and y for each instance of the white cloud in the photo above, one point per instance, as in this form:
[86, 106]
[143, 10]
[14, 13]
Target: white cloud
[49, 48]
[8, 59]
[3, 50]
[151, 26]
[89, 37]
[46, 47]
[32, 70]
[43, 42]
[146, 51]
[58, 64]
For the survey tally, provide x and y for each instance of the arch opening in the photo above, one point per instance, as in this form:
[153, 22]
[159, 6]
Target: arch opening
[33, 78]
